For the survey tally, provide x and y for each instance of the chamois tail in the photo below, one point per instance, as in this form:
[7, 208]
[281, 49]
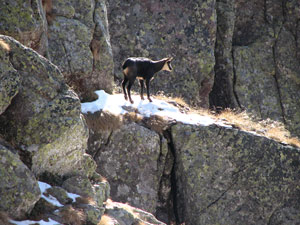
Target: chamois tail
[126, 64]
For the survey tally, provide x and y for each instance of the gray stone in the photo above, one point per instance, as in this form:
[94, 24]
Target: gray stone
[228, 176]
[19, 190]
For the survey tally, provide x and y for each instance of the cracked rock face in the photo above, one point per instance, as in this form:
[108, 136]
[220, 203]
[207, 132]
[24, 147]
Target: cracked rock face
[155, 29]
[132, 158]
[226, 176]
[257, 59]
[72, 34]
[44, 118]
[79, 43]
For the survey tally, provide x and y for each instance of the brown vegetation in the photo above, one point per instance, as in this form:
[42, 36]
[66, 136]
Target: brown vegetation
[107, 220]
[102, 120]
[4, 218]
[244, 121]
[71, 216]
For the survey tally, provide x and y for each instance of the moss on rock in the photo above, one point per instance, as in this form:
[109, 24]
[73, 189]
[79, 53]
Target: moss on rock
[44, 118]
[227, 176]
[19, 189]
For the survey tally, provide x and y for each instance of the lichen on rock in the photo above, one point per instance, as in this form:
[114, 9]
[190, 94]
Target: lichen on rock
[229, 176]
[19, 189]
[184, 30]
[44, 119]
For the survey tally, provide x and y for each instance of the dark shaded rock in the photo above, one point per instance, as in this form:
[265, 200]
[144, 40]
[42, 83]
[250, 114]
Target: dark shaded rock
[222, 95]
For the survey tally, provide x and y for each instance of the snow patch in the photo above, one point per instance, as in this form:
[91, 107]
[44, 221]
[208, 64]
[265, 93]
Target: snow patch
[116, 104]
[43, 188]
[30, 222]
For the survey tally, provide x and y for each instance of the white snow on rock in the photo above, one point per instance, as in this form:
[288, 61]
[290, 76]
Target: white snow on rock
[43, 187]
[49, 198]
[30, 222]
[116, 104]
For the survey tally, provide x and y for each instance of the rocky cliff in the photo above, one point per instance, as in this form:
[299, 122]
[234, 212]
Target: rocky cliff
[182, 168]
[197, 171]
[227, 54]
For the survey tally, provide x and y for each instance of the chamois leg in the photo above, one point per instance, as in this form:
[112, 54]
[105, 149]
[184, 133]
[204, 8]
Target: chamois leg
[148, 89]
[128, 90]
[142, 89]
[123, 85]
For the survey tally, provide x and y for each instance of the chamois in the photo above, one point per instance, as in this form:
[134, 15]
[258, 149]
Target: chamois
[143, 69]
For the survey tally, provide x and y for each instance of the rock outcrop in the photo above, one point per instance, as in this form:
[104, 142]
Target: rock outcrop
[72, 34]
[228, 176]
[25, 22]
[236, 54]
[132, 158]
[227, 54]
[79, 44]
[257, 59]
[209, 172]
[46, 138]
[43, 119]
[185, 30]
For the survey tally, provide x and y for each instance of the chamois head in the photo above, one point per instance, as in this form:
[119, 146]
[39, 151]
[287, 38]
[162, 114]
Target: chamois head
[167, 66]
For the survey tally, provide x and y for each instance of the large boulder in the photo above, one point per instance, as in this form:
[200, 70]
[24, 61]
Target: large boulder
[228, 176]
[19, 189]
[132, 158]
[72, 34]
[184, 30]
[10, 78]
[44, 118]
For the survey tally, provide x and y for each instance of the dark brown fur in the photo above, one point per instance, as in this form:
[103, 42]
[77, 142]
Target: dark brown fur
[143, 69]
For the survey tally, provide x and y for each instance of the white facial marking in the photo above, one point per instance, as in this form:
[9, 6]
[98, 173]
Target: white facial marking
[166, 67]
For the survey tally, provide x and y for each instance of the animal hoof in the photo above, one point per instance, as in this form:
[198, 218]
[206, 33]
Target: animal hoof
[126, 98]
[150, 100]
[132, 102]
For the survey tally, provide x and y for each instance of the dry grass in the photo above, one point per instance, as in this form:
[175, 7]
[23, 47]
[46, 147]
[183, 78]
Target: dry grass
[107, 220]
[102, 120]
[133, 117]
[85, 200]
[4, 218]
[269, 128]
[71, 216]
[178, 100]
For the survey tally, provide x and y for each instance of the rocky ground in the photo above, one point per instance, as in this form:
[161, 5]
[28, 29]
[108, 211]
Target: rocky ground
[59, 138]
